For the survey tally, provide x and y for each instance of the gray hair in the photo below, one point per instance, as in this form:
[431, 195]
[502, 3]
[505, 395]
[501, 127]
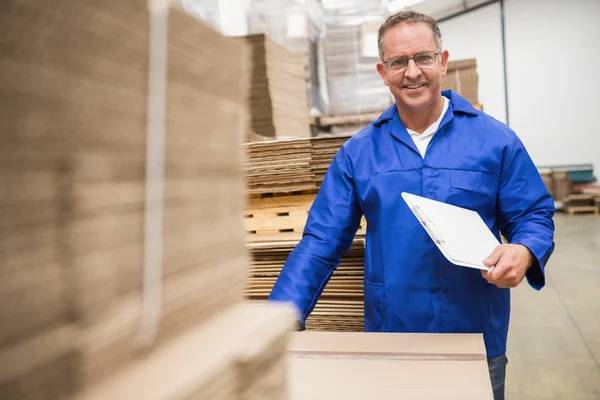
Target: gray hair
[409, 17]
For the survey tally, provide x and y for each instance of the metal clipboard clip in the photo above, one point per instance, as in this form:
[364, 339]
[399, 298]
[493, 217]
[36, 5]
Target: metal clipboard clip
[428, 225]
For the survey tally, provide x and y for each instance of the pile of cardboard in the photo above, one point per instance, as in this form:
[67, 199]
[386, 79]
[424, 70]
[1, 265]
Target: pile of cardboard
[76, 309]
[284, 166]
[283, 179]
[388, 366]
[340, 307]
[298, 25]
[461, 77]
[276, 166]
[278, 93]
[324, 150]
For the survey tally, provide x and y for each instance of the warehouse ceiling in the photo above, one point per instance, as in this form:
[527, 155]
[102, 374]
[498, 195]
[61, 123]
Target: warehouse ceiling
[436, 8]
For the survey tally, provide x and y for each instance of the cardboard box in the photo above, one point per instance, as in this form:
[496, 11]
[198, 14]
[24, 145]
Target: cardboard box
[461, 77]
[358, 365]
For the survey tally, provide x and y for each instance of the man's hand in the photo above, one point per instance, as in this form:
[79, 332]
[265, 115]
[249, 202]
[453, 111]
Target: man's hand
[510, 262]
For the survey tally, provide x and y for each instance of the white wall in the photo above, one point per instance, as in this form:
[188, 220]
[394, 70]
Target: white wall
[477, 35]
[552, 58]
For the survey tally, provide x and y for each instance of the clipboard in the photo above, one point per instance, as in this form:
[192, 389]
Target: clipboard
[460, 234]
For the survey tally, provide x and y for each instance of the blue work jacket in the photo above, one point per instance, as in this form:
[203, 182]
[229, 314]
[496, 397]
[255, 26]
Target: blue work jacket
[472, 161]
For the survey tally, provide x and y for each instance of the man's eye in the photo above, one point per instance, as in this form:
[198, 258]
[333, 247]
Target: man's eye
[398, 63]
[423, 58]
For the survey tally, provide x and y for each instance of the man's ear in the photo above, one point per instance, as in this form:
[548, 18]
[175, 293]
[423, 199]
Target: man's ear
[444, 56]
[381, 70]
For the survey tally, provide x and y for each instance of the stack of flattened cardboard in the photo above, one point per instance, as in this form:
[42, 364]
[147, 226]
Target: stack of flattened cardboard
[278, 95]
[362, 365]
[275, 218]
[279, 166]
[340, 307]
[462, 78]
[298, 25]
[73, 111]
[284, 166]
[236, 355]
[324, 150]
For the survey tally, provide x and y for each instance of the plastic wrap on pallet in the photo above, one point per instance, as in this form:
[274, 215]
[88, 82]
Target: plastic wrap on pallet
[351, 56]
[299, 26]
[293, 23]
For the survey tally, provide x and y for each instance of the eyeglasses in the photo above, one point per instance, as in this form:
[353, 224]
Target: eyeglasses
[421, 59]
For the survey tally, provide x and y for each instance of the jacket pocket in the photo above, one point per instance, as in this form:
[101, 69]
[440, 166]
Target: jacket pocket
[472, 189]
[375, 320]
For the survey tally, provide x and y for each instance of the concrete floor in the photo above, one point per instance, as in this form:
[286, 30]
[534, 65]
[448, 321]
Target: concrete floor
[554, 336]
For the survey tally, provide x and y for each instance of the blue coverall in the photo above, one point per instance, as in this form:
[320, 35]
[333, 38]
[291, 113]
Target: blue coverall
[472, 161]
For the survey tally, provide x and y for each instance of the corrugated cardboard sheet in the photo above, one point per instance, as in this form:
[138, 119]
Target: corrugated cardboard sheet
[388, 366]
[462, 78]
[73, 105]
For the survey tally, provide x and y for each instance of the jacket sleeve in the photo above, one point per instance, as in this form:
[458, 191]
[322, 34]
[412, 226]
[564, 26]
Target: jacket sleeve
[526, 210]
[328, 234]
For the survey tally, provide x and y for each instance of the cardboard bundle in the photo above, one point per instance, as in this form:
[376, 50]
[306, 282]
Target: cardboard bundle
[279, 166]
[73, 111]
[388, 366]
[278, 93]
[298, 26]
[340, 307]
[237, 355]
[324, 150]
[283, 166]
[461, 77]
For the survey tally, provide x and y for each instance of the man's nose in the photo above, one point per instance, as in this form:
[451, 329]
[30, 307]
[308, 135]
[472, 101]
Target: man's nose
[412, 71]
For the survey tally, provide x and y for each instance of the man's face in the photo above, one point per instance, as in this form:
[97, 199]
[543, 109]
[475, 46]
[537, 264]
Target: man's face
[417, 86]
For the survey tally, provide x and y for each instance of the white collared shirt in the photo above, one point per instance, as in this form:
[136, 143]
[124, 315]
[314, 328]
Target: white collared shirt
[422, 140]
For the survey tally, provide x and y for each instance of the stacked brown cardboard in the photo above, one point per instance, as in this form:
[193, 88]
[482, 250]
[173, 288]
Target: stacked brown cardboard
[238, 355]
[340, 307]
[324, 150]
[298, 25]
[388, 366]
[461, 77]
[73, 110]
[278, 98]
[283, 178]
[276, 166]
[283, 166]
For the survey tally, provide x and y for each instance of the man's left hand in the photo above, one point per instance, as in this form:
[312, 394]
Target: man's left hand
[510, 262]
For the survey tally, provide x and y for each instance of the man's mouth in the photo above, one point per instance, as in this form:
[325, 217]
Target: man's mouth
[414, 86]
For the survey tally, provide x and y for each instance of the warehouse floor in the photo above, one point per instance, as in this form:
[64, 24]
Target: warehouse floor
[554, 337]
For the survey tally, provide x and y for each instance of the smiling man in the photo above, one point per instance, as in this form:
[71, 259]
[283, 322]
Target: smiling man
[431, 143]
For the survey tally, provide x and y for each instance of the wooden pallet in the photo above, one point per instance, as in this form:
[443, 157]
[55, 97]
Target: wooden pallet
[281, 214]
[282, 195]
[582, 203]
[349, 119]
[572, 210]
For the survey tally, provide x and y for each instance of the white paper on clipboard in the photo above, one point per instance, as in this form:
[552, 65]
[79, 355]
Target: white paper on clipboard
[460, 234]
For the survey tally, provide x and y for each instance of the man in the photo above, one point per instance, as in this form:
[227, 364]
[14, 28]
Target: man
[434, 144]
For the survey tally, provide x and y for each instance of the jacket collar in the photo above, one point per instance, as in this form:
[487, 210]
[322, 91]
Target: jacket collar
[458, 104]
[394, 126]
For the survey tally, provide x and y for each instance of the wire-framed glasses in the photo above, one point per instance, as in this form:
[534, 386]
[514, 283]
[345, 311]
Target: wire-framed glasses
[421, 59]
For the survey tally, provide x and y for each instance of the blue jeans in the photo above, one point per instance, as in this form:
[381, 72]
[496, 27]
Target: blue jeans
[497, 368]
